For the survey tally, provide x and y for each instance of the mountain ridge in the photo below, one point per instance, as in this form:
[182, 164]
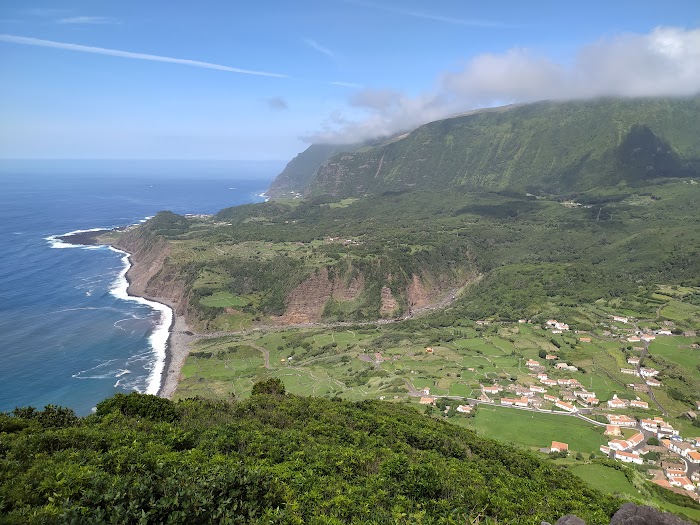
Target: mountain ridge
[541, 148]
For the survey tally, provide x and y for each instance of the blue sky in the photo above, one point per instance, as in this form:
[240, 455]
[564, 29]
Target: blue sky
[86, 79]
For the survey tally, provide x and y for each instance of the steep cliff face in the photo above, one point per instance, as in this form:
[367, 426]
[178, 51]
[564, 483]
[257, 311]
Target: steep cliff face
[547, 147]
[301, 170]
[151, 274]
[309, 301]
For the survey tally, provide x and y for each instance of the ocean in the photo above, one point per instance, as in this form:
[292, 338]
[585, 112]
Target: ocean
[69, 334]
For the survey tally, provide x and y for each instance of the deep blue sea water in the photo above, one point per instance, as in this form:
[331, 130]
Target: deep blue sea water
[66, 337]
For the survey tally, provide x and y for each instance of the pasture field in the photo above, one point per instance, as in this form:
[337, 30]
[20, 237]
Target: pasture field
[535, 430]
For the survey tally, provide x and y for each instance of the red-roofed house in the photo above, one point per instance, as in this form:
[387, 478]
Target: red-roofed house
[635, 440]
[662, 483]
[615, 402]
[618, 444]
[558, 446]
[684, 483]
[518, 402]
[621, 420]
[613, 430]
[565, 406]
[694, 457]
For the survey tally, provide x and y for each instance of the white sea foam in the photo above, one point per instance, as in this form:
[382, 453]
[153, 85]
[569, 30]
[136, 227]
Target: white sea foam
[55, 242]
[159, 338]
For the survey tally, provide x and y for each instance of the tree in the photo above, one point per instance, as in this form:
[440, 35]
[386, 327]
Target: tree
[273, 386]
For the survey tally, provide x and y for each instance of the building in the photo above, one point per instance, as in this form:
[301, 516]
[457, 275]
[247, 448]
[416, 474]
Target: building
[584, 394]
[633, 339]
[427, 400]
[619, 319]
[629, 371]
[558, 446]
[638, 403]
[621, 420]
[615, 402]
[693, 457]
[495, 389]
[553, 399]
[584, 339]
[633, 360]
[465, 409]
[565, 406]
[648, 372]
[628, 457]
[531, 363]
[659, 426]
[648, 337]
[683, 482]
[518, 402]
[613, 430]
[653, 382]
[549, 382]
[550, 357]
[538, 389]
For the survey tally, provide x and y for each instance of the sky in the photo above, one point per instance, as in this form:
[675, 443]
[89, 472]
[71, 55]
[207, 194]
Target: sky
[244, 80]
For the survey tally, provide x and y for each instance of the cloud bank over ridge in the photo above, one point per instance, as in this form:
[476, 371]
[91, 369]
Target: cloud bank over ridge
[664, 62]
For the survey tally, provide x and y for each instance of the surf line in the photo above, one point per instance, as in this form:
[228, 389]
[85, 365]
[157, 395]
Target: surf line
[159, 338]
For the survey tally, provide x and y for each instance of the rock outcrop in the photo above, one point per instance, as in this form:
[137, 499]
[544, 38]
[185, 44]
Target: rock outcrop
[630, 514]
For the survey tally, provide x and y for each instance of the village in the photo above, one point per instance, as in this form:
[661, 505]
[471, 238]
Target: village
[673, 460]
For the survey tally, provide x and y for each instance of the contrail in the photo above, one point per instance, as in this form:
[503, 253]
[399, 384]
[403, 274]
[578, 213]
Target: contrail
[28, 41]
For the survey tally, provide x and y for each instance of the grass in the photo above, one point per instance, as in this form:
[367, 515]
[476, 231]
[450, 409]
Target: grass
[536, 430]
[224, 299]
[605, 479]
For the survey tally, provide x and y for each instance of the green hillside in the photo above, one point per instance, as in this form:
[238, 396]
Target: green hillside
[542, 148]
[274, 458]
[301, 170]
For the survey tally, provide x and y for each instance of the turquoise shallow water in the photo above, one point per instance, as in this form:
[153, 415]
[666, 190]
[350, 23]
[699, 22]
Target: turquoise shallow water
[68, 336]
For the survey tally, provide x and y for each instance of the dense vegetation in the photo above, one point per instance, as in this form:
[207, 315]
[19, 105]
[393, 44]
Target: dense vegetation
[300, 171]
[541, 148]
[274, 458]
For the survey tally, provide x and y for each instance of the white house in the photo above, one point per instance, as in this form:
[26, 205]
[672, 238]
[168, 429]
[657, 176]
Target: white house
[628, 457]
[621, 420]
[638, 403]
[615, 402]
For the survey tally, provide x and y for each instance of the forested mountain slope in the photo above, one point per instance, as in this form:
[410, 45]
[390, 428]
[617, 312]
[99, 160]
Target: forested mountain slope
[541, 148]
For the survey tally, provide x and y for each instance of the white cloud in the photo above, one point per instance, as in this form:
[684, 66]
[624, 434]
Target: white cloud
[87, 20]
[664, 62]
[128, 54]
[469, 22]
[346, 84]
[318, 47]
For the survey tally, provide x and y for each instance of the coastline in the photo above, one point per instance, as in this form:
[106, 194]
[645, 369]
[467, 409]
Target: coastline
[170, 339]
